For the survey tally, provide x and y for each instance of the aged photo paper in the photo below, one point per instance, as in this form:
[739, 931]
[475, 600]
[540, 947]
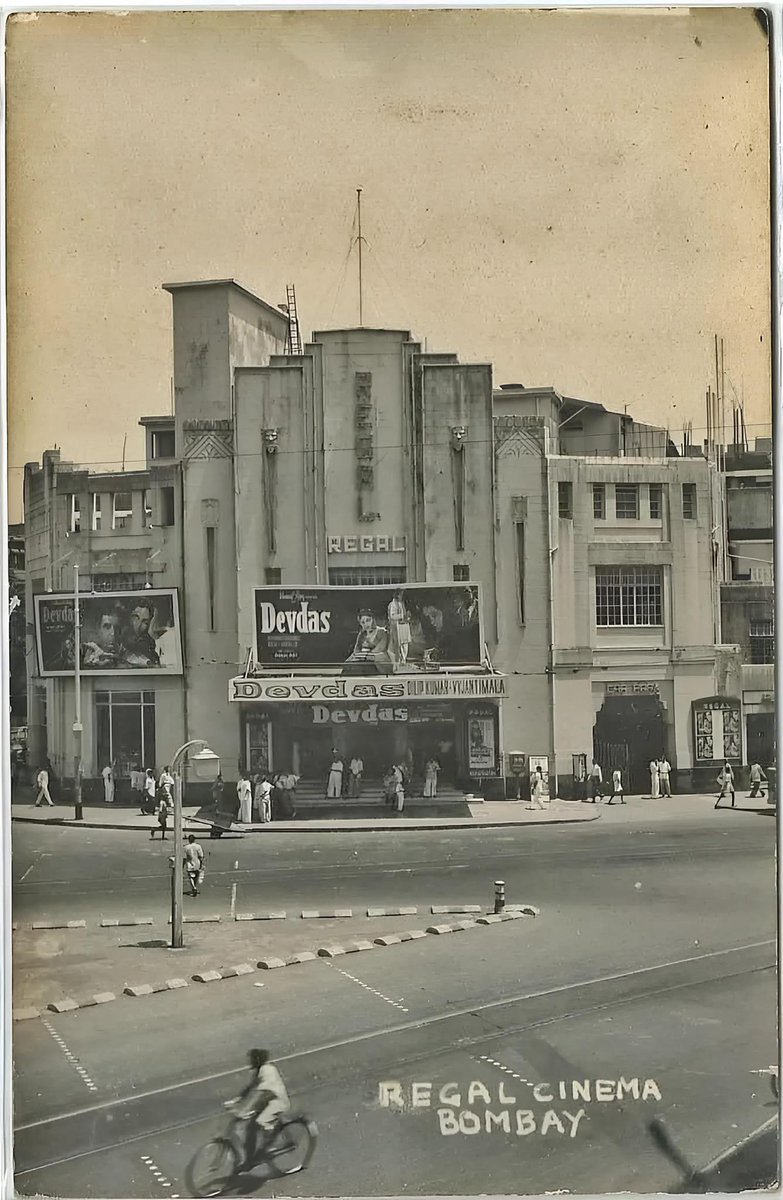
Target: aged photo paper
[391, 779]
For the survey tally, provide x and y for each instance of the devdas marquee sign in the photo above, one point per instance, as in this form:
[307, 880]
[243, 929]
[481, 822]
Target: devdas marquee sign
[418, 687]
[121, 633]
[369, 630]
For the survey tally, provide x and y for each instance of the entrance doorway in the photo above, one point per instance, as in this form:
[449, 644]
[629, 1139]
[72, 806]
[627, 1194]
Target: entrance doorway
[628, 733]
[761, 738]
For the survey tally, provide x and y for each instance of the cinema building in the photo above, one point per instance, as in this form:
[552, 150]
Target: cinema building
[365, 547]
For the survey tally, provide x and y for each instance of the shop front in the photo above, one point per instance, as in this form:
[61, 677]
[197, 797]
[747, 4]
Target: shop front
[453, 719]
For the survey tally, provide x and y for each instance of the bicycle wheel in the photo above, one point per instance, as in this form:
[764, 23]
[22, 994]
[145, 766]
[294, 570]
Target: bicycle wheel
[292, 1146]
[212, 1168]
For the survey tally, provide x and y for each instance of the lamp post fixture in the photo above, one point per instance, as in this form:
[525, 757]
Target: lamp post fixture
[207, 768]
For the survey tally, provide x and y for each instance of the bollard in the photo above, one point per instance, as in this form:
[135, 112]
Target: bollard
[500, 895]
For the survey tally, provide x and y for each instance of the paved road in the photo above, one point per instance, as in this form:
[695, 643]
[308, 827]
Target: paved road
[672, 980]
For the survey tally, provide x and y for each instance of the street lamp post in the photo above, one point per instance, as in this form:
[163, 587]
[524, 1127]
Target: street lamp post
[78, 812]
[207, 768]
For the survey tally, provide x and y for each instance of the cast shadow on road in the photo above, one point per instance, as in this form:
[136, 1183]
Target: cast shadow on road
[152, 944]
[247, 1184]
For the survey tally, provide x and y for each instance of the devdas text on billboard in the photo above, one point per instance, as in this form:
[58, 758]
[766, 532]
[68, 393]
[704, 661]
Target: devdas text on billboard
[121, 633]
[370, 630]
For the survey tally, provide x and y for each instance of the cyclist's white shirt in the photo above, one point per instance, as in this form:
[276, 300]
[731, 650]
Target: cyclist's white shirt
[269, 1079]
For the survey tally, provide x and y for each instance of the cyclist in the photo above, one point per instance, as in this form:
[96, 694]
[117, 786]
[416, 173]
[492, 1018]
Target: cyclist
[261, 1104]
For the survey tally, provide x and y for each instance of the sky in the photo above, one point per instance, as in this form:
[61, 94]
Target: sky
[579, 198]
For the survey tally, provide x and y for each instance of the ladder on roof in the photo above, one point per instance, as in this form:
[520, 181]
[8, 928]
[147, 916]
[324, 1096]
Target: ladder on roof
[294, 340]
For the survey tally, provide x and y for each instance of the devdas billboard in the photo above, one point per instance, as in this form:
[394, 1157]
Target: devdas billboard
[121, 633]
[370, 630]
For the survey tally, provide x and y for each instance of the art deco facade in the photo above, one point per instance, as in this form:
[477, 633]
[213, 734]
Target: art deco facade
[365, 461]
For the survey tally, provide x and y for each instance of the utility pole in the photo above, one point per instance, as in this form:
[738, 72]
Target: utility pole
[77, 682]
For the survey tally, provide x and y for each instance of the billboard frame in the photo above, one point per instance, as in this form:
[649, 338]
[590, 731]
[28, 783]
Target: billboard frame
[97, 673]
[365, 589]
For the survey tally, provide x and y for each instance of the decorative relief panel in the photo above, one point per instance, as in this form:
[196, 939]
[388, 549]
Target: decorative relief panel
[515, 435]
[208, 439]
[364, 445]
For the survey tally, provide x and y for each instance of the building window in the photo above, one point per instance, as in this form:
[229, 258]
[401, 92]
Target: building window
[656, 501]
[125, 727]
[519, 530]
[626, 502]
[762, 642]
[565, 501]
[365, 576]
[147, 511]
[167, 506]
[119, 581]
[273, 576]
[122, 510]
[460, 572]
[599, 502]
[211, 577]
[96, 512]
[163, 443]
[689, 501]
[75, 520]
[628, 596]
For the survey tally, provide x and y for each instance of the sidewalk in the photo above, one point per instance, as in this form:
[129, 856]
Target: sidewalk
[484, 814]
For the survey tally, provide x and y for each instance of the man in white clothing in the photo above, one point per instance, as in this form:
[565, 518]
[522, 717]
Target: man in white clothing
[655, 789]
[664, 769]
[334, 785]
[42, 780]
[245, 797]
[108, 783]
[355, 772]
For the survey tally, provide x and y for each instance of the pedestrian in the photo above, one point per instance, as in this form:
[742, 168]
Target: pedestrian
[757, 778]
[399, 788]
[726, 781]
[194, 864]
[389, 788]
[617, 786]
[537, 790]
[334, 785]
[596, 783]
[664, 771]
[108, 783]
[42, 780]
[167, 781]
[431, 769]
[355, 773]
[217, 793]
[263, 799]
[163, 812]
[148, 803]
[286, 784]
[245, 798]
[655, 789]
[137, 777]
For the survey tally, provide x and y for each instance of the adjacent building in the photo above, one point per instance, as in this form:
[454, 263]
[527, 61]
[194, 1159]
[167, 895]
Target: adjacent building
[366, 548]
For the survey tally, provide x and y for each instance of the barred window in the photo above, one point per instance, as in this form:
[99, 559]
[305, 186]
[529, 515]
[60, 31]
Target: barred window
[365, 576]
[656, 501]
[599, 501]
[762, 642]
[628, 596]
[626, 502]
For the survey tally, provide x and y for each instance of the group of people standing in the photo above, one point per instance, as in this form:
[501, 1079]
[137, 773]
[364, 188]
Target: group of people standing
[397, 780]
[261, 799]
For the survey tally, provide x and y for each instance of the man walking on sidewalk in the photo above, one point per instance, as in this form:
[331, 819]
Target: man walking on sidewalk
[194, 864]
[617, 786]
[43, 788]
[596, 783]
[726, 781]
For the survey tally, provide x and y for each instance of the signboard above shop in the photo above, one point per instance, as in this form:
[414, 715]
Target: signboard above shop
[122, 633]
[316, 690]
[365, 543]
[376, 630]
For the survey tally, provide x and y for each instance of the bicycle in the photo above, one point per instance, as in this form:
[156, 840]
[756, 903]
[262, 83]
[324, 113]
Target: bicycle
[287, 1150]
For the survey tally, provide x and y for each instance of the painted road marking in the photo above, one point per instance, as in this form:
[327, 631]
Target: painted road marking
[418, 1023]
[161, 1178]
[70, 1056]
[493, 1062]
[366, 986]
